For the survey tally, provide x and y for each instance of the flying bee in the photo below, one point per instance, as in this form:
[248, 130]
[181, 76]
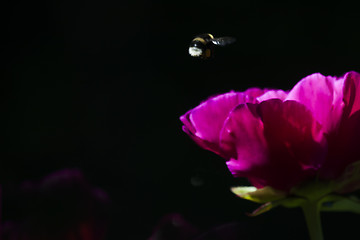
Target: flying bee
[202, 45]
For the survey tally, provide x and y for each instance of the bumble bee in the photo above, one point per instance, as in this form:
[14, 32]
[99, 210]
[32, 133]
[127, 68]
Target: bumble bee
[202, 46]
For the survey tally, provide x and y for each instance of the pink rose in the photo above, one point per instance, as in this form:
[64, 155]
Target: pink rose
[281, 139]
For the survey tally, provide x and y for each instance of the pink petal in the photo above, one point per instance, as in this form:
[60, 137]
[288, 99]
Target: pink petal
[255, 92]
[352, 93]
[344, 147]
[273, 94]
[290, 124]
[323, 96]
[205, 122]
[243, 133]
[277, 143]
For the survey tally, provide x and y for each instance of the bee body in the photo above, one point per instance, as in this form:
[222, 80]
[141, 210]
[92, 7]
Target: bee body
[202, 46]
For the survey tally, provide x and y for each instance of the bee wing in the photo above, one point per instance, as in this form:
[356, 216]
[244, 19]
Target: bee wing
[222, 41]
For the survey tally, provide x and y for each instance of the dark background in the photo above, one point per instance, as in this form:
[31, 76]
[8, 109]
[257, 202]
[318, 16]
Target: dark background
[100, 86]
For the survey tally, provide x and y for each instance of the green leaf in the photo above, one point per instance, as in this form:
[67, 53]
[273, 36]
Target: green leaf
[262, 195]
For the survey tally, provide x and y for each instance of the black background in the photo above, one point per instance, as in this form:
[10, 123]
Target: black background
[100, 86]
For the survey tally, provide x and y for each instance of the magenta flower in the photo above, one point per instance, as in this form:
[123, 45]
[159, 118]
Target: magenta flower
[282, 139]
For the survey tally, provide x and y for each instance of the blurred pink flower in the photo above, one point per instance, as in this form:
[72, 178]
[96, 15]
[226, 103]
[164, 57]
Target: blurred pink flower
[63, 205]
[281, 139]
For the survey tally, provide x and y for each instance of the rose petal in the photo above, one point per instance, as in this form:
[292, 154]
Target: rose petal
[214, 147]
[323, 96]
[289, 124]
[205, 122]
[255, 92]
[343, 148]
[344, 144]
[296, 142]
[352, 93]
[278, 144]
[273, 94]
[243, 134]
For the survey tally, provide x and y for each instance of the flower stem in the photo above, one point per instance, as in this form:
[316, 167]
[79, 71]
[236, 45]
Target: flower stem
[312, 216]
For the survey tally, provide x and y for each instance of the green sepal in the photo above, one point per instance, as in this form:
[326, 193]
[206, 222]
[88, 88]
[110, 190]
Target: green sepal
[337, 203]
[292, 202]
[262, 195]
[289, 202]
[262, 209]
[313, 190]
